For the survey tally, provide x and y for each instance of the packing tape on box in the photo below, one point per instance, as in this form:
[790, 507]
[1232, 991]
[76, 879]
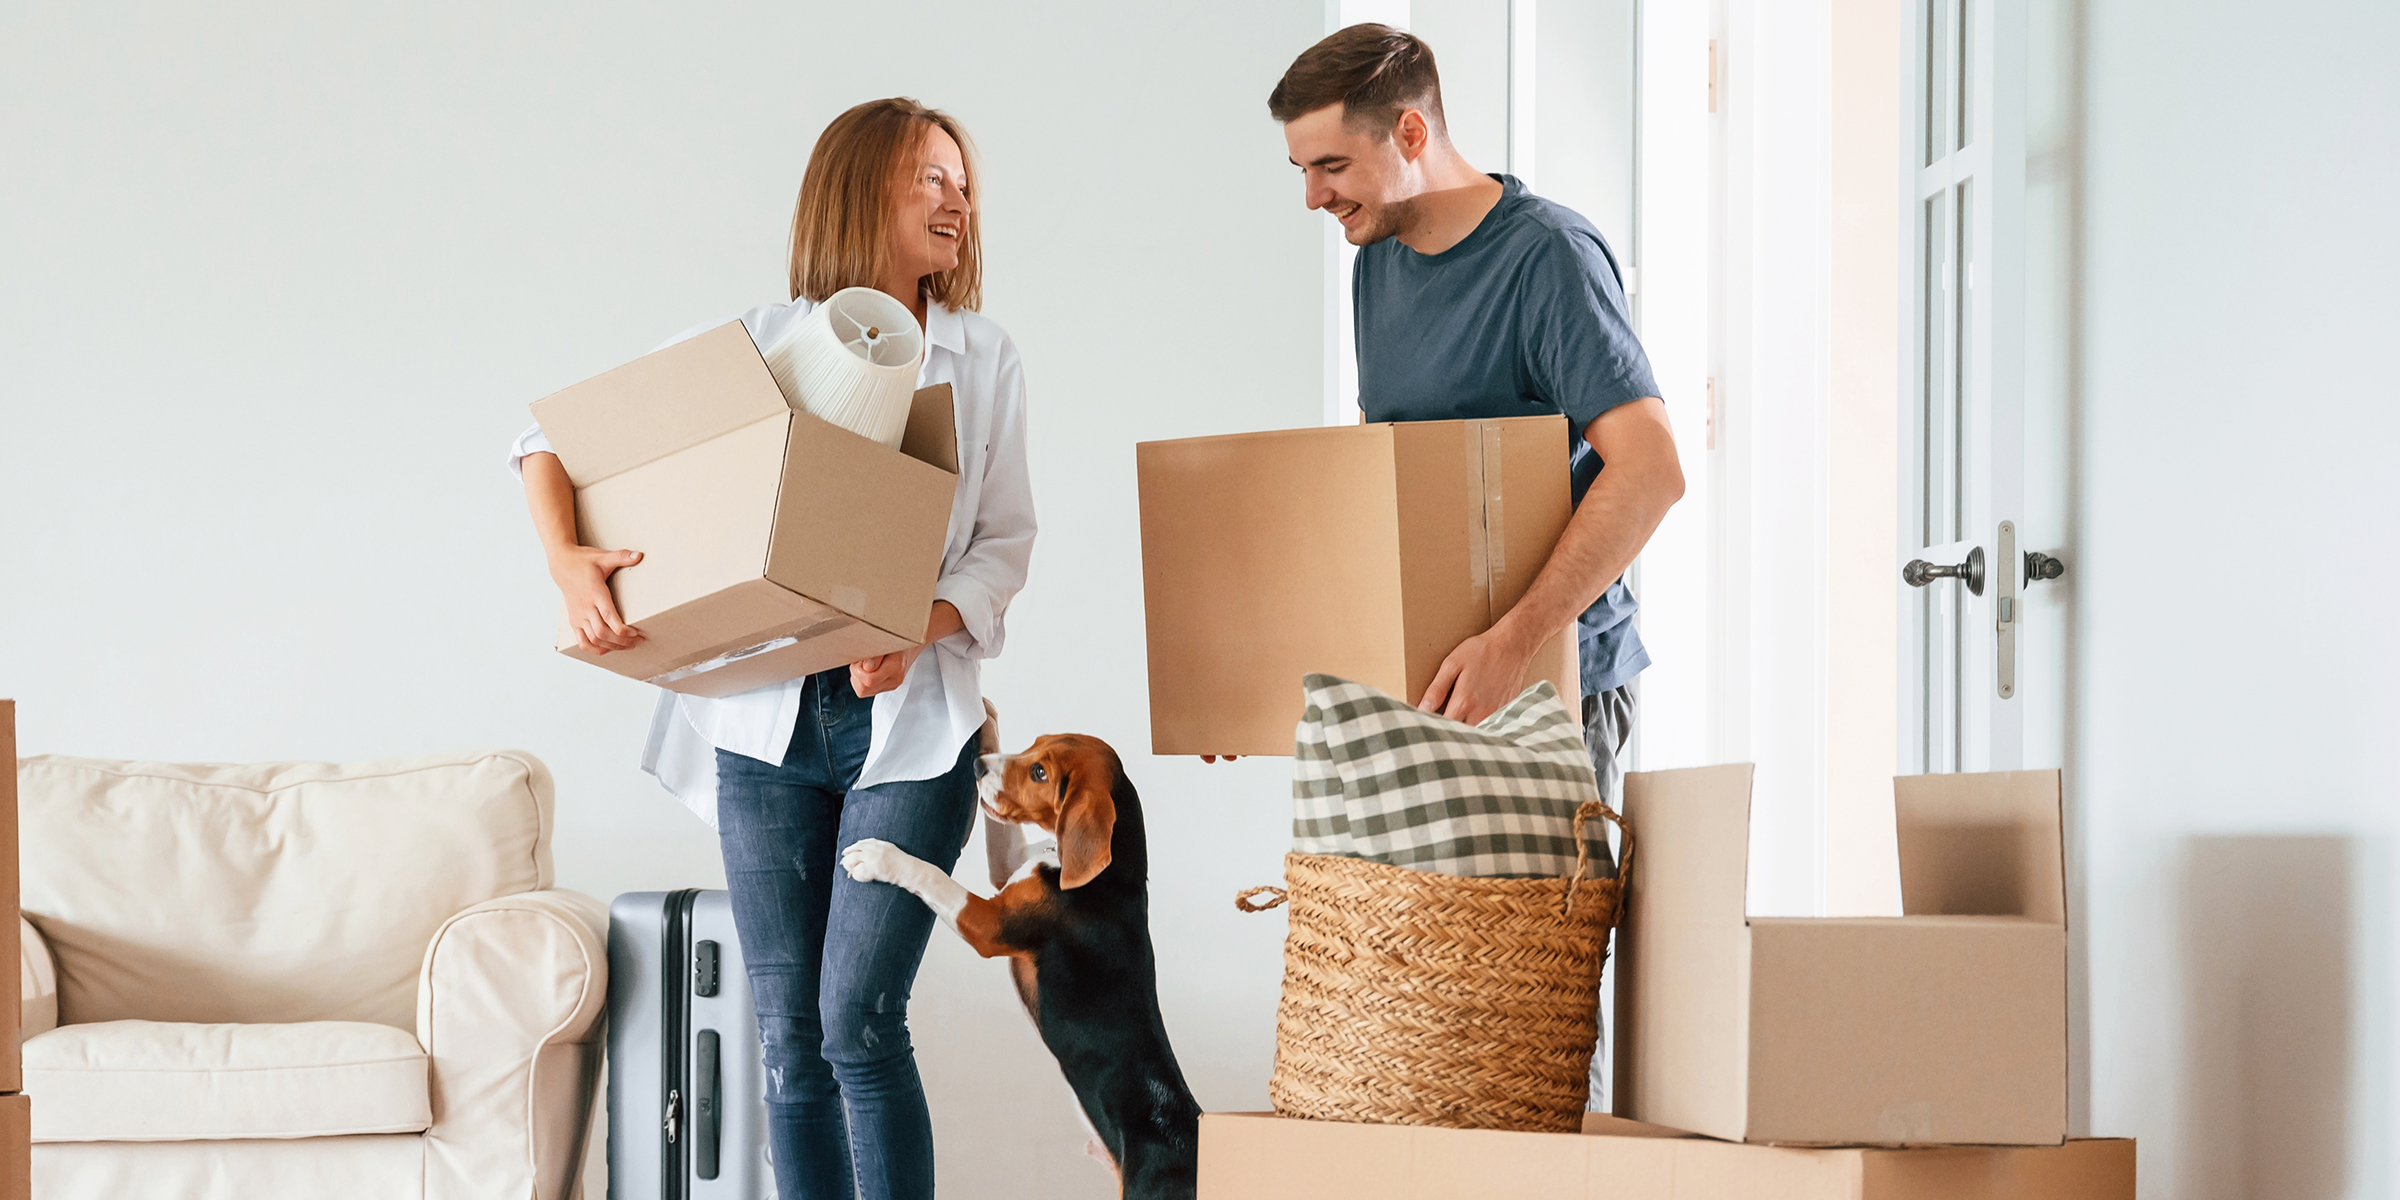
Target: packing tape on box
[722, 660]
[1487, 534]
[731, 657]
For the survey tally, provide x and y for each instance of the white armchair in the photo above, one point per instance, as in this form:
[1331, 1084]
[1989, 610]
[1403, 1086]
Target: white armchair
[305, 980]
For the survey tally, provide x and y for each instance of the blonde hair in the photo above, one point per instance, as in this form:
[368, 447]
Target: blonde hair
[841, 225]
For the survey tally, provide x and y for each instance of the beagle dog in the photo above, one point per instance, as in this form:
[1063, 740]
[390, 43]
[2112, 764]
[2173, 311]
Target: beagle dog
[1078, 937]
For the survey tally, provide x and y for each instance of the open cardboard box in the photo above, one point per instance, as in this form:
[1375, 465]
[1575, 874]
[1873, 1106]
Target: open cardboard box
[1364, 551]
[1944, 1025]
[1260, 1156]
[774, 545]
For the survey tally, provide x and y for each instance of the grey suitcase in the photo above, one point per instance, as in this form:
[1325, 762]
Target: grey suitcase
[687, 1100]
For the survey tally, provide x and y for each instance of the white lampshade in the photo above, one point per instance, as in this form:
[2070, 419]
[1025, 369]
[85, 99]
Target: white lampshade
[853, 362]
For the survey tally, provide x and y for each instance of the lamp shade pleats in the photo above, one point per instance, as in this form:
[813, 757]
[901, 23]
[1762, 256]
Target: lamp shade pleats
[853, 362]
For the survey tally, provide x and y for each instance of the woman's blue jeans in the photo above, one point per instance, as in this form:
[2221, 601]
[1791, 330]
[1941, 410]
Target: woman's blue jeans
[831, 959]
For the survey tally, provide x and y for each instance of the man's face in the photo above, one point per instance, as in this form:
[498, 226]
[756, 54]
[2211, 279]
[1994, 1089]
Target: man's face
[1362, 177]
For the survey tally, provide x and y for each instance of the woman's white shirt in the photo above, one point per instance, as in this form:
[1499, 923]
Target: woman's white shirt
[919, 727]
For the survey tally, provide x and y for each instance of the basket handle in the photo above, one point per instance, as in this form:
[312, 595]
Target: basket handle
[1242, 901]
[1583, 856]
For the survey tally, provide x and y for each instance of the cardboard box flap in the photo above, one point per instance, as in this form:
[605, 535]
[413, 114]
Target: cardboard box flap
[932, 434]
[1691, 844]
[671, 400]
[1610, 1125]
[1982, 845]
[1683, 963]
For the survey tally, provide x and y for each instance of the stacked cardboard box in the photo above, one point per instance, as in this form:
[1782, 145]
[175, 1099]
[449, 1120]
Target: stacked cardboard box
[1944, 1025]
[16, 1110]
[1258, 1156]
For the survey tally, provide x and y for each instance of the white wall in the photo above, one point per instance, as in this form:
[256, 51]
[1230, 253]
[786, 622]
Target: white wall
[2228, 322]
[1681, 572]
[1771, 271]
[280, 282]
[1868, 74]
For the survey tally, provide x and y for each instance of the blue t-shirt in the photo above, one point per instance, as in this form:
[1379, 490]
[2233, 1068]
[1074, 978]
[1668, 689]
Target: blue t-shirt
[1526, 316]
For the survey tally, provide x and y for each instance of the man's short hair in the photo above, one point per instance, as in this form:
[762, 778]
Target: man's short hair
[1375, 72]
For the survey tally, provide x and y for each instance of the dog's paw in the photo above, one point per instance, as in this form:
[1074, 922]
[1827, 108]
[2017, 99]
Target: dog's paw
[873, 860]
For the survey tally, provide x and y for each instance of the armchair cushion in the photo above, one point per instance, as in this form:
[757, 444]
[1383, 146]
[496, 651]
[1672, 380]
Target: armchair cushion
[148, 1081]
[274, 892]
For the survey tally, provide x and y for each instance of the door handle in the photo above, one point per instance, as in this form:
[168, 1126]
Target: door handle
[1918, 572]
[2040, 566]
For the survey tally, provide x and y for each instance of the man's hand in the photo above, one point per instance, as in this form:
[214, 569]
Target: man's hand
[581, 573]
[1641, 480]
[1484, 673]
[882, 673]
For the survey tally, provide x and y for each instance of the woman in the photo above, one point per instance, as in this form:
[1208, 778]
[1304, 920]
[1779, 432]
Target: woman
[879, 749]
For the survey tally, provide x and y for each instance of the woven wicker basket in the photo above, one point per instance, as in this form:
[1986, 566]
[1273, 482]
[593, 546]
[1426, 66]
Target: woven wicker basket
[1411, 998]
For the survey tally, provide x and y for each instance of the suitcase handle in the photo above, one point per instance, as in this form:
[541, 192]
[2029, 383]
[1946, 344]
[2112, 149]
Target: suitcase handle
[704, 1106]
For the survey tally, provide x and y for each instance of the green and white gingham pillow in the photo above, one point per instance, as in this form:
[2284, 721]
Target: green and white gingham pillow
[1320, 822]
[1375, 778]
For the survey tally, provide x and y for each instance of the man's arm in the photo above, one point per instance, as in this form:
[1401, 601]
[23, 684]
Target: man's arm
[1640, 479]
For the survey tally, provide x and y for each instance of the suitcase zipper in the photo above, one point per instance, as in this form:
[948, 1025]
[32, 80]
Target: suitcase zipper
[675, 1163]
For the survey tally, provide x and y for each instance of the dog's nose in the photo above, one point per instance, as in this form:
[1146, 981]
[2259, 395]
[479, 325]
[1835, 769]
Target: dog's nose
[986, 764]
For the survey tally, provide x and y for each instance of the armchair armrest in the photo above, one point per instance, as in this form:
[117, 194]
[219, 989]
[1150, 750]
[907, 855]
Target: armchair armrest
[40, 973]
[510, 1007]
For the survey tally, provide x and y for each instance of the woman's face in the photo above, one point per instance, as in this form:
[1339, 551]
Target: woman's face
[930, 211]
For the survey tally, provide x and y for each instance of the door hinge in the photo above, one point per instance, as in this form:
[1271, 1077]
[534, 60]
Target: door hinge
[1712, 412]
[1712, 75]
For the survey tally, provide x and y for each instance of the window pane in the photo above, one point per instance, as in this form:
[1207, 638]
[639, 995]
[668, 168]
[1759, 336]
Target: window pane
[1936, 406]
[1966, 71]
[1937, 79]
[1962, 341]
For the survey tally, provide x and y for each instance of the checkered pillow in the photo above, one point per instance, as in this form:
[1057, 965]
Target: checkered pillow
[1374, 778]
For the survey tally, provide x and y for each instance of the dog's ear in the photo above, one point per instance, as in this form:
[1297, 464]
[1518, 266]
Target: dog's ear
[1087, 820]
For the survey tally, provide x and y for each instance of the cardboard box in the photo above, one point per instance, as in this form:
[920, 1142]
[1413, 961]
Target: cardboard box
[12, 1017]
[1945, 1025]
[1365, 551]
[16, 1147]
[773, 544]
[1260, 1156]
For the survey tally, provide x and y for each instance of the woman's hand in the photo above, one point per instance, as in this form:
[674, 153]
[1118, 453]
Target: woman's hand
[581, 573]
[875, 676]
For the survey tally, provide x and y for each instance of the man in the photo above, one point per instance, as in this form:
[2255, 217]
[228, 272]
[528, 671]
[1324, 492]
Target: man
[1476, 298]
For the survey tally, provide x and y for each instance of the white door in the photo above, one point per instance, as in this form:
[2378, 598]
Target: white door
[1964, 448]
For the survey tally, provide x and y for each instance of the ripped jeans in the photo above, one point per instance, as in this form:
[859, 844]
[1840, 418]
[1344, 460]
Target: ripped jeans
[831, 960]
